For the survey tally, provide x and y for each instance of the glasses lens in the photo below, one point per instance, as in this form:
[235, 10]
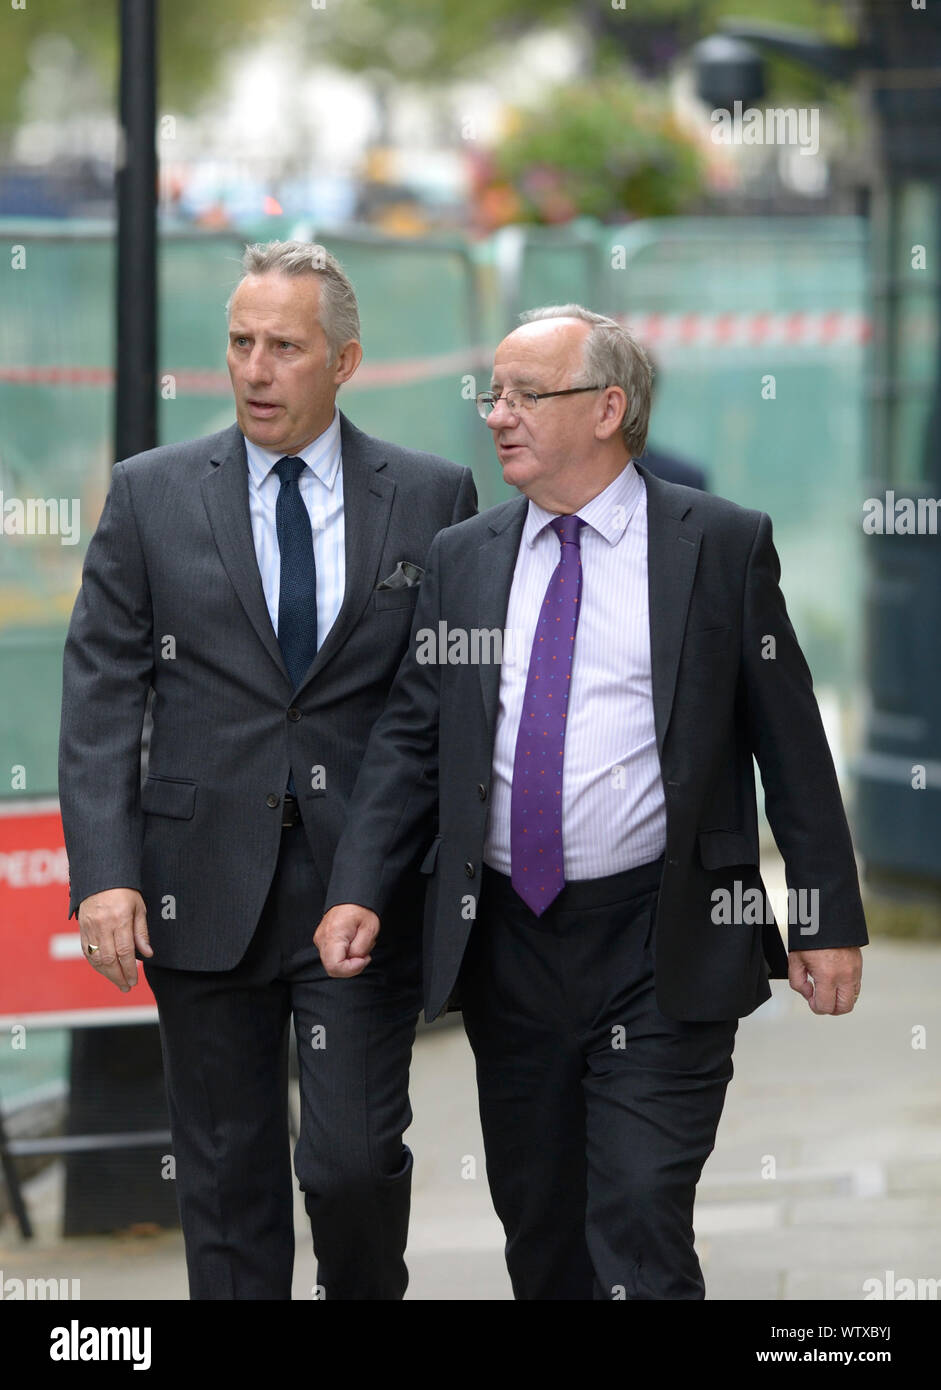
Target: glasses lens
[515, 401]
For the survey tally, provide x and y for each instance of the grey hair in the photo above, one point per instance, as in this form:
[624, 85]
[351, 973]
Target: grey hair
[613, 357]
[339, 312]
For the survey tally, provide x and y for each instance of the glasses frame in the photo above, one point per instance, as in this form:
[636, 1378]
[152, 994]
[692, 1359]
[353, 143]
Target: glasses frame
[488, 396]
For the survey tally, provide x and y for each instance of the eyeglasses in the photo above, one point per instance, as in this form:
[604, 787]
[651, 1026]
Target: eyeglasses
[518, 401]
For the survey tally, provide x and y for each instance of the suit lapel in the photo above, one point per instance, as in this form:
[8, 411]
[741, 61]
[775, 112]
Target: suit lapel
[225, 494]
[672, 555]
[673, 546]
[367, 506]
[496, 561]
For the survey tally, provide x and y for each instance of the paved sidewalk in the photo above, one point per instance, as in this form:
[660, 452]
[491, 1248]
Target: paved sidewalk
[826, 1174]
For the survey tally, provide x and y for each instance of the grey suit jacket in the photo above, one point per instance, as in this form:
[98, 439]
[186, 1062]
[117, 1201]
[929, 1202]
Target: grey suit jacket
[718, 700]
[172, 600]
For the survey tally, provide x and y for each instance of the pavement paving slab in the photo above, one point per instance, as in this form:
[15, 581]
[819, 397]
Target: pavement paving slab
[826, 1173]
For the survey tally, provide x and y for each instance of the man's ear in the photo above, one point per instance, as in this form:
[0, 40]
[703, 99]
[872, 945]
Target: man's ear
[613, 410]
[348, 359]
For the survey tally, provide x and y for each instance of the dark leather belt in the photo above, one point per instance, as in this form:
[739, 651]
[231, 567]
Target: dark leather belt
[579, 894]
[291, 812]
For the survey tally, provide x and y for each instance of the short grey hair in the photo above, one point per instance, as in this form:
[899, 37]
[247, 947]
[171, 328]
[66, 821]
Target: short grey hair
[613, 357]
[339, 312]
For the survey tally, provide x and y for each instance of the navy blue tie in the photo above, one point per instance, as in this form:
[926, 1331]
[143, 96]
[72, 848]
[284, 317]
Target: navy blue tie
[297, 600]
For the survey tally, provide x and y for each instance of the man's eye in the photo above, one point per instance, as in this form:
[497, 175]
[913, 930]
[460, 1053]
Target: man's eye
[285, 344]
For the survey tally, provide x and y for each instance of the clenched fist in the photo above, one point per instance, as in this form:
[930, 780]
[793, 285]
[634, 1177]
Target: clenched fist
[345, 938]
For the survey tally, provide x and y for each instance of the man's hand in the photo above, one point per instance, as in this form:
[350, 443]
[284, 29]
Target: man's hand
[345, 937]
[829, 980]
[116, 922]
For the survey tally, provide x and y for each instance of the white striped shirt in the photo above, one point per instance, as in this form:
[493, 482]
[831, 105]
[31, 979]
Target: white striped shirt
[613, 807]
[321, 487]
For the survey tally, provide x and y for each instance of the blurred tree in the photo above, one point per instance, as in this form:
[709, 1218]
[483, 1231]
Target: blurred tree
[197, 36]
[412, 40]
[605, 149]
[431, 41]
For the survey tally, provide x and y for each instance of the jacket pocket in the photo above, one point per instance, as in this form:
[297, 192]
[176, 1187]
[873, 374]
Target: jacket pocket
[708, 639]
[163, 796]
[427, 865]
[384, 599]
[720, 849]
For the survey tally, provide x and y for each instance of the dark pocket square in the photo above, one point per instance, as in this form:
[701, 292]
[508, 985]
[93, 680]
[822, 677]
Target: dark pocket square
[404, 576]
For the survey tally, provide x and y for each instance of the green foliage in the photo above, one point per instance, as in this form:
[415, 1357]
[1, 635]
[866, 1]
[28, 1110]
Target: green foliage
[429, 41]
[605, 149]
[436, 40]
[194, 38]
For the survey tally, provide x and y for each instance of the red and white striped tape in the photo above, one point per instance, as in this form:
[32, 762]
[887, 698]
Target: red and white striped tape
[207, 381]
[825, 328]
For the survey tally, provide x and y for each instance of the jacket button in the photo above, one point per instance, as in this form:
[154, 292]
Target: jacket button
[294, 714]
[673, 862]
[272, 800]
[481, 791]
[469, 869]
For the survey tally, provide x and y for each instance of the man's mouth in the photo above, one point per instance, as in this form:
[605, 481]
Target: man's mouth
[262, 408]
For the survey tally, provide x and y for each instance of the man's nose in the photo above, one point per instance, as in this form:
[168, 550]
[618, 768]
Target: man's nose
[258, 365]
[500, 416]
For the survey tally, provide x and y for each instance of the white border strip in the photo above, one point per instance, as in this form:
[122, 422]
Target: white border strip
[83, 1018]
[38, 806]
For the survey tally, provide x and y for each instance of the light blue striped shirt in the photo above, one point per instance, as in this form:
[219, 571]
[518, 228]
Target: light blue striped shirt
[613, 806]
[321, 486]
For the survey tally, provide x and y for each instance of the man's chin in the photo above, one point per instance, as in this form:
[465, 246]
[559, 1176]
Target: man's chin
[514, 466]
[260, 432]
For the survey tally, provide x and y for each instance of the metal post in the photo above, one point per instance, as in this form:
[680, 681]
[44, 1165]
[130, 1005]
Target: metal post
[136, 374]
[116, 1077]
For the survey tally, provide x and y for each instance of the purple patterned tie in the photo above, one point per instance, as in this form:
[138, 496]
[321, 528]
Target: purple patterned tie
[537, 865]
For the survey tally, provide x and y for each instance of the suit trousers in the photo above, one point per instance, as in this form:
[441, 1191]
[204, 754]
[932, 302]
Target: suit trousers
[598, 1112]
[225, 1046]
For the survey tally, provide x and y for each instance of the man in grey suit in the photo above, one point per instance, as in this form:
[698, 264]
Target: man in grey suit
[587, 805]
[260, 583]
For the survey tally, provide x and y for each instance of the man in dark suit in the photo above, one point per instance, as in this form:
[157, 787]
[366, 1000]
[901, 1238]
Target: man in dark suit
[587, 807]
[674, 470]
[667, 466]
[261, 583]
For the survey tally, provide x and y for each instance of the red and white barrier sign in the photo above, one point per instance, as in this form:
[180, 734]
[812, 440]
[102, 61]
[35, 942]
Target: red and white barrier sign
[43, 976]
[826, 328]
[822, 328]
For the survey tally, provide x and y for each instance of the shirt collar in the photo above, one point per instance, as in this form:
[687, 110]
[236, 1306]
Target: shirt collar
[609, 513]
[322, 456]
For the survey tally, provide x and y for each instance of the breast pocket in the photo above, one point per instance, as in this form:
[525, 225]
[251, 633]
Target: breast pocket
[701, 641]
[384, 599]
